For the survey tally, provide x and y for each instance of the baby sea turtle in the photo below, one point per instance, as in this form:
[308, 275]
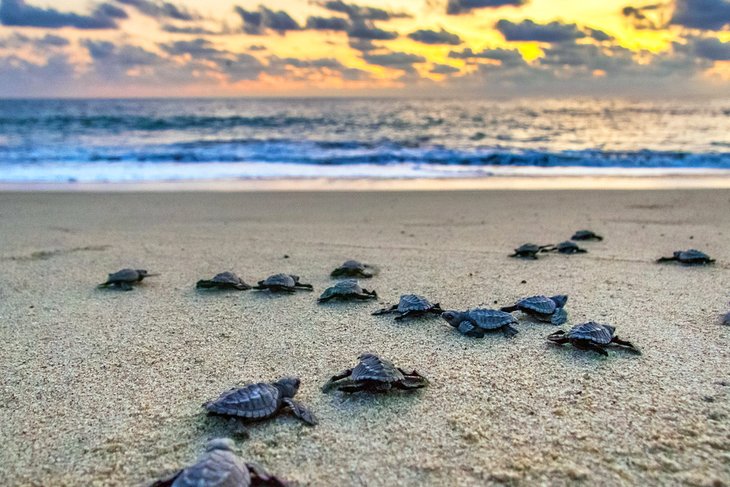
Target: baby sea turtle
[550, 309]
[530, 250]
[567, 247]
[475, 322]
[282, 282]
[375, 374]
[585, 235]
[224, 280]
[411, 305]
[125, 278]
[591, 336]
[219, 466]
[688, 257]
[353, 268]
[347, 289]
[725, 319]
[261, 400]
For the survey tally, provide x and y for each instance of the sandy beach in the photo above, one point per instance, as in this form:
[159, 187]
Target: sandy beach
[105, 388]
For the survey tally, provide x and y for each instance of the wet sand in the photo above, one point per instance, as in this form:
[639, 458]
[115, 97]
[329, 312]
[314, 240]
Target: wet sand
[105, 388]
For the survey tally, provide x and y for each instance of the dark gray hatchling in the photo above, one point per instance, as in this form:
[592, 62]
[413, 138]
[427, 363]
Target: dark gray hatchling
[125, 278]
[354, 268]
[260, 401]
[529, 250]
[411, 306]
[586, 235]
[223, 281]
[476, 322]
[549, 309]
[688, 257]
[219, 466]
[346, 290]
[591, 336]
[567, 247]
[375, 374]
[725, 319]
[288, 283]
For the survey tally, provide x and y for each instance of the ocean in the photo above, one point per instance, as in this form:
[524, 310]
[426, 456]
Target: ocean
[53, 141]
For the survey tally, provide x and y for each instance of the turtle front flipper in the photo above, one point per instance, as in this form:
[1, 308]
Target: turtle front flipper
[366, 295]
[335, 378]
[559, 317]
[626, 344]
[300, 411]
[411, 313]
[596, 349]
[300, 285]
[205, 284]
[558, 338]
[261, 477]
[666, 259]
[168, 481]
[509, 331]
[385, 311]
[509, 309]
[467, 328]
[124, 286]
[411, 380]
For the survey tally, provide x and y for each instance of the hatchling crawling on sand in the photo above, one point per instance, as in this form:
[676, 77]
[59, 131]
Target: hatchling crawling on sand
[688, 257]
[260, 401]
[586, 235]
[375, 374]
[353, 268]
[224, 280]
[529, 250]
[591, 336]
[411, 306]
[477, 321]
[345, 290]
[288, 283]
[567, 247]
[125, 278]
[219, 466]
[550, 309]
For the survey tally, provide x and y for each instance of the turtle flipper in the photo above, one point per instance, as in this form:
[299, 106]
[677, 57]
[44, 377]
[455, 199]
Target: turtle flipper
[385, 311]
[509, 331]
[509, 309]
[466, 327]
[412, 380]
[597, 349]
[168, 481]
[666, 259]
[559, 317]
[558, 338]
[260, 477]
[300, 411]
[335, 378]
[205, 284]
[626, 344]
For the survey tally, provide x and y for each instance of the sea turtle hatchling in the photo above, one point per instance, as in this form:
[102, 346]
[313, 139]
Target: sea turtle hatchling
[260, 401]
[125, 278]
[586, 235]
[725, 319]
[354, 268]
[477, 321]
[347, 289]
[567, 247]
[219, 466]
[688, 257]
[550, 309]
[529, 250]
[375, 374]
[591, 336]
[224, 280]
[411, 306]
[282, 283]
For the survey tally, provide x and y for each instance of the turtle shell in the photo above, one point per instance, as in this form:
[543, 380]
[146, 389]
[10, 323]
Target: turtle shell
[342, 288]
[352, 265]
[592, 332]
[374, 368]
[413, 302]
[227, 278]
[537, 304]
[490, 319]
[527, 248]
[253, 401]
[126, 275]
[585, 235]
[692, 256]
[284, 280]
[219, 466]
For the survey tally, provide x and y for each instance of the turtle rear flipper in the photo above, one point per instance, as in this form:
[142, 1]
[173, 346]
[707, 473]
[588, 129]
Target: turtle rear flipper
[301, 411]
[261, 477]
[559, 317]
[558, 338]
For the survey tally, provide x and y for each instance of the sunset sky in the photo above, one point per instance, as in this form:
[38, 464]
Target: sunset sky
[123, 48]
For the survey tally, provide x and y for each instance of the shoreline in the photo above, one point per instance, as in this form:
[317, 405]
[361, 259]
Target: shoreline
[710, 180]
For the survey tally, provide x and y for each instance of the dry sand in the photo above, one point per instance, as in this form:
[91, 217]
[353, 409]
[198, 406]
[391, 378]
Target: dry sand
[105, 388]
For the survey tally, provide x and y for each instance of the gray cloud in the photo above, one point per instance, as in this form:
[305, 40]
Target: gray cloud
[259, 21]
[455, 7]
[394, 60]
[362, 45]
[356, 12]
[328, 23]
[159, 9]
[190, 30]
[443, 69]
[363, 29]
[528, 30]
[598, 35]
[435, 37]
[196, 48]
[121, 57]
[642, 17]
[510, 57]
[711, 48]
[701, 14]
[256, 47]
[19, 13]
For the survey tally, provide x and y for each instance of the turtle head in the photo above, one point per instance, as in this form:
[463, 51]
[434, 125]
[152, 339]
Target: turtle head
[453, 318]
[142, 272]
[288, 386]
[220, 444]
[560, 300]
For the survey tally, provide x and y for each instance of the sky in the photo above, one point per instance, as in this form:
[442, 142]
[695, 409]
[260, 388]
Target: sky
[449, 48]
